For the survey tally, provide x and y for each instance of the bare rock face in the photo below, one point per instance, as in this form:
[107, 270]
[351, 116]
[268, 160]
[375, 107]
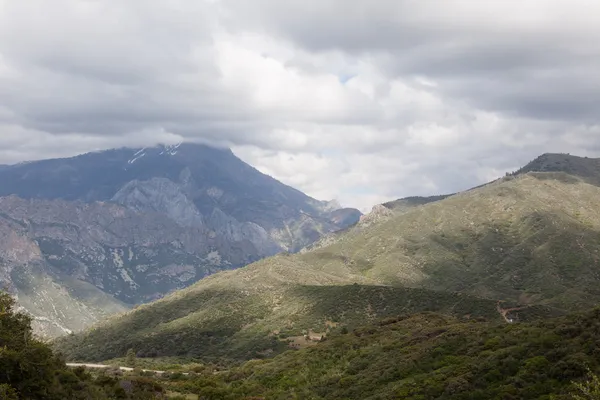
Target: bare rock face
[231, 230]
[378, 213]
[84, 237]
[160, 195]
[55, 253]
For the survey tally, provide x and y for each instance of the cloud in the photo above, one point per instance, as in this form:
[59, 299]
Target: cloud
[361, 101]
[529, 58]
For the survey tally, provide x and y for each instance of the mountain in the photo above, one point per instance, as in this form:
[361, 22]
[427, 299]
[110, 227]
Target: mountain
[519, 248]
[183, 181]
[92, 235]
[60, 257]
[532, 239]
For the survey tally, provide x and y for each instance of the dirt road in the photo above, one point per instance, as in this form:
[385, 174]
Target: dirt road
[103, 366]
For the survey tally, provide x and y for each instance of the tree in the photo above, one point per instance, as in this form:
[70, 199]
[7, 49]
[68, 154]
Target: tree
[588, 390]
[130, 358]
[30, 370]
[27, 366]
[8, 393]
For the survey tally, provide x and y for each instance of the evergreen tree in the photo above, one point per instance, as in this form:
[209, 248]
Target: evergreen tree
[130, 358]
[7, 392]
[26, 364]
[588, 390]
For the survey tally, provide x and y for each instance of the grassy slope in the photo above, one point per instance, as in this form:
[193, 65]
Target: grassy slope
[533, 239]
[377, 215]
[424, 356]
[407, 203]
[256, 314]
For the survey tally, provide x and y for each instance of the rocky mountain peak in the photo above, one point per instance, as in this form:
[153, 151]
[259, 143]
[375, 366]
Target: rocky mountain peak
[378, 213]
[131, 225]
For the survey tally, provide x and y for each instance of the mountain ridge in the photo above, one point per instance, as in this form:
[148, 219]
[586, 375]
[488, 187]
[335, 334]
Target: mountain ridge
[208, 175]
[528, 242]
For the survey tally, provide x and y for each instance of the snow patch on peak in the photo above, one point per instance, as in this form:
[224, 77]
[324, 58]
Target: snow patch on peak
[171, 149]
[137, 156]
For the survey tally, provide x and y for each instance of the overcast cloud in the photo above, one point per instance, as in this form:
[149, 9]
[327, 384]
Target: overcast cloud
[359, 100]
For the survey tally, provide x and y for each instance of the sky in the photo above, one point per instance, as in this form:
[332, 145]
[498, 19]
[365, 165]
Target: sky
[359, 100]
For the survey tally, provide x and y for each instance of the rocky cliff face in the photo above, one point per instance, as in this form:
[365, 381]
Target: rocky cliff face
[85, 237]
[47, 247]
[187, 183]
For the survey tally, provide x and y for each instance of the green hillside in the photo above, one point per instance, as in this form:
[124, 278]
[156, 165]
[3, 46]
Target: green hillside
[235, 324]
[532, 239]
[424, 356]
[529, 242]
[407, 203]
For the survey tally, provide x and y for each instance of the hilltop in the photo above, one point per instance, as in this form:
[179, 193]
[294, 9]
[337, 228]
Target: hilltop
[529, 243]
[583, 167]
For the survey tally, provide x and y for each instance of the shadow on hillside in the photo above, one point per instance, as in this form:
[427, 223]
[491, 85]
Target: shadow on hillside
[542, 259]
[357, 304]
[562, 177]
